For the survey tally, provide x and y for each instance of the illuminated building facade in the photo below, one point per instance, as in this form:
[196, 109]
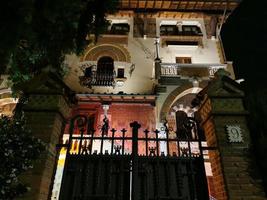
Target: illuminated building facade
[156, 65]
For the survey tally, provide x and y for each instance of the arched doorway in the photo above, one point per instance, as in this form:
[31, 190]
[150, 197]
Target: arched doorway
[105, 66]
[183, 121]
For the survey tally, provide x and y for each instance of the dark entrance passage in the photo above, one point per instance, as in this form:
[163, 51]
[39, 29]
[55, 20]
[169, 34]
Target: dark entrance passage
[132, 165]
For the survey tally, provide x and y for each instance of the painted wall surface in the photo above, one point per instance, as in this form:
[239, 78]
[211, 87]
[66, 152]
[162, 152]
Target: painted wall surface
[142, 53]
[120, 115]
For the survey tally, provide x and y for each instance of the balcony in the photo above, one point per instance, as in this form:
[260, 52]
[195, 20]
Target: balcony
[119, 29]
[117, 34]
[103, 79]
[181, 35]
[102, 74]
[190, 70]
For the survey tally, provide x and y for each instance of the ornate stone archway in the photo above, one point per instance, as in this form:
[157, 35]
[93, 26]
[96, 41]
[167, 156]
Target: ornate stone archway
[171, 99]
[117, 52]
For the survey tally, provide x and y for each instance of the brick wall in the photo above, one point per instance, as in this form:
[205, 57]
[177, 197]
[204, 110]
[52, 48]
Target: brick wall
[215, 158]
[45, 115]
[235, 174]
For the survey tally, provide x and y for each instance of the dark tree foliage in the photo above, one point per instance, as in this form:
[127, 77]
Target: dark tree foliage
[245, 41]
[18, 150]
[36, 34]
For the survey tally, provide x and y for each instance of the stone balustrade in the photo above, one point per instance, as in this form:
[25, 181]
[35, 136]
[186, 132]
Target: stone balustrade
[190, 70]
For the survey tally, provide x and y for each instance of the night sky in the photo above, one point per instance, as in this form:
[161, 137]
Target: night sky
[244, 37]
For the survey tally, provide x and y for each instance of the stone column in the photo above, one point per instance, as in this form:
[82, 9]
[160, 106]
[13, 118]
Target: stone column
[224, 122]
[45, 112]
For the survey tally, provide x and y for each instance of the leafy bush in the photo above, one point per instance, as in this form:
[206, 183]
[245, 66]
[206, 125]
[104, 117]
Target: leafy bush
[18, 150]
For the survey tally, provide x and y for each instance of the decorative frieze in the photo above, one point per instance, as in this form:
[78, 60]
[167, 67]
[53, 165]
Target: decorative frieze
[117, 52]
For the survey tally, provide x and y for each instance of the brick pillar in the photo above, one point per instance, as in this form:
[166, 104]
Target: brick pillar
[224, 122]
[45, 113]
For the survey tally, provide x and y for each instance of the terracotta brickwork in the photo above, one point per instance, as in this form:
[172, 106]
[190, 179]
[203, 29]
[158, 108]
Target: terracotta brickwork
[215, 159]
[233, 167]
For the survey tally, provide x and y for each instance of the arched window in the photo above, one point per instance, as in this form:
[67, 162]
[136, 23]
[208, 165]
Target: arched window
[101, 75]
[105, 71]
[105, 65]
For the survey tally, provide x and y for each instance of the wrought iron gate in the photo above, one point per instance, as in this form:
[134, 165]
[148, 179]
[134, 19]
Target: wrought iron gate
[132, 165]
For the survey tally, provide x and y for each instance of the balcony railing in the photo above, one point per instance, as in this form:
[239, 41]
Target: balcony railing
[190, 70]
[195, 40]
[105, 79]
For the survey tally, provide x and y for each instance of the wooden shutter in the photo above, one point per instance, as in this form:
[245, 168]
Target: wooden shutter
[138, 30]
[183, 60]
[150, 27]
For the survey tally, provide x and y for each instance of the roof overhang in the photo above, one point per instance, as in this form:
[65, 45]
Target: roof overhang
[216, 6]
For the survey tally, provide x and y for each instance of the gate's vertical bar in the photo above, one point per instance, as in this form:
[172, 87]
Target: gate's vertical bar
[135, 126]
[102, 141]
[70, 137]
[146, 135]
[112, 140]
[64, 185]
[121, 177]
[157, 141]
[92, 143]
[81, 123]
[167, 139]
[192, 170]
[199, 139]
[177, 140]
[81, 140]
[123, 139]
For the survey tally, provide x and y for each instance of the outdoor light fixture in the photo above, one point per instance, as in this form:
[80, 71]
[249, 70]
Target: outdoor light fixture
[157, 40]
[119, 83]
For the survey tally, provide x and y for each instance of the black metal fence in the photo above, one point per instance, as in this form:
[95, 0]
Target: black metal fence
[122, 165]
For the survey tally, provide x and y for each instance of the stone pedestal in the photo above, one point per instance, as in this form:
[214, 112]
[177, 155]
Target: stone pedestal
[47, 108]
